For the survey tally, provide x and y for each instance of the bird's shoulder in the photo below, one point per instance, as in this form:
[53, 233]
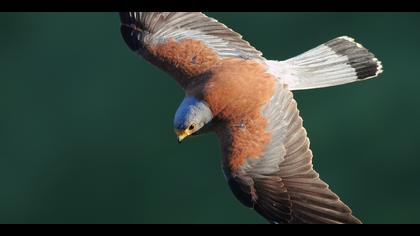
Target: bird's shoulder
[184, 60]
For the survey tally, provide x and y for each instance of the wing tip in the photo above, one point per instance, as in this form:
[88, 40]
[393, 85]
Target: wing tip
[125, 18]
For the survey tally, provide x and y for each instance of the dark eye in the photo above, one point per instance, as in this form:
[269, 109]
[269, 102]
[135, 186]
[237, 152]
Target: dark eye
[191, 127]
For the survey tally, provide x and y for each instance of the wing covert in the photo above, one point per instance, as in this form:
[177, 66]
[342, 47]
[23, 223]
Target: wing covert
[184, 44]
[162, 26]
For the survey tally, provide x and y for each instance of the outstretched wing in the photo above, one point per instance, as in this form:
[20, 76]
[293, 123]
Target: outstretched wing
[178, 42]
[281, 185]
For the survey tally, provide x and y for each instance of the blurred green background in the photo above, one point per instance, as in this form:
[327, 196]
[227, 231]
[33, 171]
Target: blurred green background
[86, 127]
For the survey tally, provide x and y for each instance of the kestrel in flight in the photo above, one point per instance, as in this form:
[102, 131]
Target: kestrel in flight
[246, 99]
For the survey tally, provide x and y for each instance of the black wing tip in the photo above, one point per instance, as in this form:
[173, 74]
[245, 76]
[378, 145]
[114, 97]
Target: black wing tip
[129, 30]
[125, 18]
[129, 18]
[364, 62]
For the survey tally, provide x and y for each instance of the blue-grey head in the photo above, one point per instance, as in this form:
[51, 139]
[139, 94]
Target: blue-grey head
[192, 115]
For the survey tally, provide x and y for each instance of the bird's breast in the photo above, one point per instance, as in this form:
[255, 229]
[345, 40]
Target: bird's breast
[237, 91]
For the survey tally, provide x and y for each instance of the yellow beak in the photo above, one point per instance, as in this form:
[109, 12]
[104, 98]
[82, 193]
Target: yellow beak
[182, 134]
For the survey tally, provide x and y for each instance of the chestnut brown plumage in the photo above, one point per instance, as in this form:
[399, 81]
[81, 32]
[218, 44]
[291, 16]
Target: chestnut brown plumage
[232, 90]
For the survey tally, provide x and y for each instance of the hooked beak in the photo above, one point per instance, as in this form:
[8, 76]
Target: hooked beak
[182, 134]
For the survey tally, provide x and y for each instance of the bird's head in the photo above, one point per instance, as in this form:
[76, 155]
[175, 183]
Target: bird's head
[192, 115]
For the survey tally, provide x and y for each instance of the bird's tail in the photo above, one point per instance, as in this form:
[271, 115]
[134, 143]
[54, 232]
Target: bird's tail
[339, 61]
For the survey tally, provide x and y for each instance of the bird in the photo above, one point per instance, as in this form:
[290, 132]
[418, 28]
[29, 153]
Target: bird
[232, 90]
